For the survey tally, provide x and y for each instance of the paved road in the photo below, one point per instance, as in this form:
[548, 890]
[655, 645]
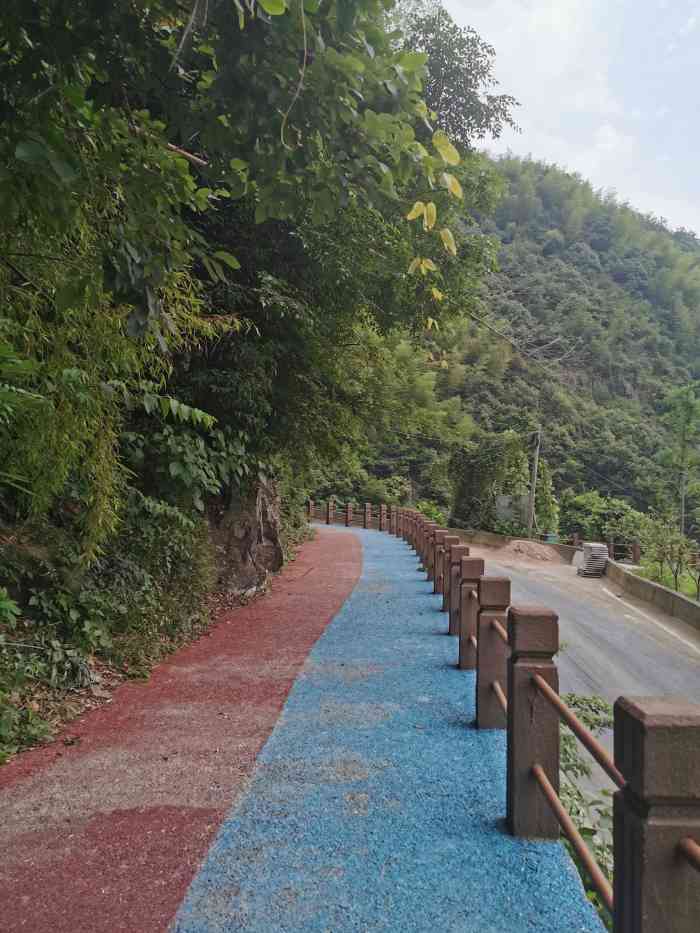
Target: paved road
[611, 646]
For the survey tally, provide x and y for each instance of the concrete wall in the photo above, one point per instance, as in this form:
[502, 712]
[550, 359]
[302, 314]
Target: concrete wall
[662, 597]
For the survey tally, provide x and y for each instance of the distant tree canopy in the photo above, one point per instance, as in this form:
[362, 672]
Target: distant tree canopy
[460, 83]
[600, 306]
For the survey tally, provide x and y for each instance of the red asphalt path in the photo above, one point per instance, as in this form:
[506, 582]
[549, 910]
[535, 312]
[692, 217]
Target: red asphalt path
[106, 834]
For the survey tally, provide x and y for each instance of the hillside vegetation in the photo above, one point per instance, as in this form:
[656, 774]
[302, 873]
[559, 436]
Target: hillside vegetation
[603, 305]
[223, 229]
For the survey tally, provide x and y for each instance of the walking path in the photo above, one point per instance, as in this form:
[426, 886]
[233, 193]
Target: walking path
[365, 802]
[104, 834]
[375, 804]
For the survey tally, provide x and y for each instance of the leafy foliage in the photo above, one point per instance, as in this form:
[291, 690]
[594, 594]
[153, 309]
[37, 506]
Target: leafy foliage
[488, 466]
[204, 282]
[460, 82]
[601, 305]
[591, 812]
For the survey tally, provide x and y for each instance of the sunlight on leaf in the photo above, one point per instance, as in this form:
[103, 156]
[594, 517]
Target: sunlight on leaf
[443, 145]
[448, 241]
[453, 186]
[273, 7]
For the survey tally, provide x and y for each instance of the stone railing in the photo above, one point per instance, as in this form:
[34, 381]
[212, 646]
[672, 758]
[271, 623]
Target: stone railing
[656, 766]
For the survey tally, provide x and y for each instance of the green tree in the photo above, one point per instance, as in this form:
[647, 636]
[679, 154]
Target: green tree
[460, 82]
[683, 457]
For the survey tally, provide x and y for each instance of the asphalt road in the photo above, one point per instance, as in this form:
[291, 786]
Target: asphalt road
[610, 646]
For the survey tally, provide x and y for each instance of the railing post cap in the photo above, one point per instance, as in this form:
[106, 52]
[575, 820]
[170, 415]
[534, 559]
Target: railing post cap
[533, 630]
[657, 746]
[440, 534]
[472, 568]
[457, 552]
[451, 539]
[494, 592]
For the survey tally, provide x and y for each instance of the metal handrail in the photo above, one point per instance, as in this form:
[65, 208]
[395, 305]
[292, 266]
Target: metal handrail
[578, 728]
[600, 882]
[690, 849]
[499, 630]
[500, 695]
[472, 641]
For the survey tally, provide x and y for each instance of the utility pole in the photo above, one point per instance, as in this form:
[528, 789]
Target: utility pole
[684, 479]
[533, 482]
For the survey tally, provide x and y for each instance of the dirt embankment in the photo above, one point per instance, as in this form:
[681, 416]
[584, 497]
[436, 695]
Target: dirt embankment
[532, 550]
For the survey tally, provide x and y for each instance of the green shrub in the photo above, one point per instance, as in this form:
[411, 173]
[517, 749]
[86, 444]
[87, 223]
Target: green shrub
[432, 511]
[142, 597]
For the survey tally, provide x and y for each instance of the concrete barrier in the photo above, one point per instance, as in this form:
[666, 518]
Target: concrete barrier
[665, 599]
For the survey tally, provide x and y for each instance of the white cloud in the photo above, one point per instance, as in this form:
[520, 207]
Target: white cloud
[689, 25]
[572, 66]
[548, 50]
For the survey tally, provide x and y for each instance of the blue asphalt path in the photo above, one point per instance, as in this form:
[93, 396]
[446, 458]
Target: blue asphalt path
[375, 804]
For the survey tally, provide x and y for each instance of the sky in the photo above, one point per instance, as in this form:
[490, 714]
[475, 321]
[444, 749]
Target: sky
[608, 88]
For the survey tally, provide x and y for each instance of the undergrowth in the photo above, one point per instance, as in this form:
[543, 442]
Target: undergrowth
[141, 598]
[591, 812]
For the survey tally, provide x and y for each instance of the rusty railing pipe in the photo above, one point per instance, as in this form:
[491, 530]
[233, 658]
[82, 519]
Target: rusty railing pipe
[690, 850]
[577, 727]
[500, 695]
[600, 882]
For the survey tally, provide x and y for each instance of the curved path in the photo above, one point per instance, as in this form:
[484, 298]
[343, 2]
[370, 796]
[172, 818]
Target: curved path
[375, 804]
[102, 830]
[338, 763]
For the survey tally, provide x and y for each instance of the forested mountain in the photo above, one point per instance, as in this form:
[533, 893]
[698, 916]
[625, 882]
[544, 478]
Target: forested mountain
[601, 306]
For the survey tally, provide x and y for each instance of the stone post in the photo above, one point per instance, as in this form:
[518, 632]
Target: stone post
[393, 514]
[422, 522]
[576, 539]
[492, 653]
[442, 563]
[471, 569]
[657, 748]
[533, 725]
[382, 518]
[367, 522]
[330, 511]
[636, 553]
[428, 529]
[451, 594]
[430, 552]
[348, 514]
[310, 510]
[438, 547]
[611, 548]
[417, 533]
